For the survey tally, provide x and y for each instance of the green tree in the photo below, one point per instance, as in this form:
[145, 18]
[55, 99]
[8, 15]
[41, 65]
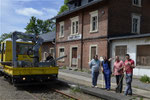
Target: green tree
[63, 7]
[5, 36]
[38, 26]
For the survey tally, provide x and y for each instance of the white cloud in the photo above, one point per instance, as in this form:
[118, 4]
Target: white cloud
[29, 12]
[49, 10]
[15, 14]
[48, 13]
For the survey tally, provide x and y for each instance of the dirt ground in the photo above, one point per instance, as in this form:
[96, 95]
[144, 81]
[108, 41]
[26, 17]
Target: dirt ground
[40, 92]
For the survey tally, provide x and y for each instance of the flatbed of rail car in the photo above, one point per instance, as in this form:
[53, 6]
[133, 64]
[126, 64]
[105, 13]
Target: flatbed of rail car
[30, 70]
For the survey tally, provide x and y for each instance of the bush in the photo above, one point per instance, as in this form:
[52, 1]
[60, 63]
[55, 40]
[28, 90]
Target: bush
[145, 79]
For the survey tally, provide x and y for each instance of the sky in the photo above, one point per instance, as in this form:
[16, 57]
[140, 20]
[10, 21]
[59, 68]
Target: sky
[15, 14]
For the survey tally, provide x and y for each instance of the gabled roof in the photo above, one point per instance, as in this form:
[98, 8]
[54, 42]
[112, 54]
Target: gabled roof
[76, 9]
[48, 37]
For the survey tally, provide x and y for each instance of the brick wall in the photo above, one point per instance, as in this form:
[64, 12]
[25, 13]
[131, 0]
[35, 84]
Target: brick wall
[103, 20]
[115, 18]
[145, 25]
[101, 50]
[46, 48]
[67, 47]
[120, 16]
[88, 38]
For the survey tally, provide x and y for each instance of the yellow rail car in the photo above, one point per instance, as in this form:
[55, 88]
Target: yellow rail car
[25, 72]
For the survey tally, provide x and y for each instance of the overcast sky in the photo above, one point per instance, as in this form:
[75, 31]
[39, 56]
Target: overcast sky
[15, 14]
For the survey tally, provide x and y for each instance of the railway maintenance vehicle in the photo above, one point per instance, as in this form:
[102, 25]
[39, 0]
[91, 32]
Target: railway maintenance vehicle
[20, 61]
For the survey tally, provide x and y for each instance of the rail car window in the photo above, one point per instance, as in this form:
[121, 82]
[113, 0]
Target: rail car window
[23, 48]
[4, 47]
[0, 49]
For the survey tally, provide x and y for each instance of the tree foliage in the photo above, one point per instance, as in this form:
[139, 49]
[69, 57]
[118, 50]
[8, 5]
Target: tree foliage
[5, 36]
[63, 7]
[38, 26]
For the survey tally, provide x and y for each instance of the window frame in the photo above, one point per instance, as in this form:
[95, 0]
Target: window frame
[137, 16]
[90, 50]
[60, 34]
[137, 55]
[138, 5]
[61, 60]
[122, 46]
[45, 55]
[51, 52]
[93, 14]
[74, 20]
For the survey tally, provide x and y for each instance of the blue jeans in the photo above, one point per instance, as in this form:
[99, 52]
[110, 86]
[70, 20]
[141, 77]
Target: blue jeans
[128, 89]
[107, 80]
[94, 78]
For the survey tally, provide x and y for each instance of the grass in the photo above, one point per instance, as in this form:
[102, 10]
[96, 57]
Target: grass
[75, 89]
[145, 79]
[75, 69]
[64, 67]
[141, 98]
[86, 70]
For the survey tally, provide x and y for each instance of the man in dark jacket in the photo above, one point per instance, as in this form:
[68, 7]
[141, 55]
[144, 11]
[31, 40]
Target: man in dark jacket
[49, 57]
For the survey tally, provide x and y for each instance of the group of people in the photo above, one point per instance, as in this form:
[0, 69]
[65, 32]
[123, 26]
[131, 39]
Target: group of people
[119, 67]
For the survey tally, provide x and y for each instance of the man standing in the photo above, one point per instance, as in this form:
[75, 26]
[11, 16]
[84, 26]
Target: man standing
[95, 66]
[106, 69]
[129, 65]
[118, 72]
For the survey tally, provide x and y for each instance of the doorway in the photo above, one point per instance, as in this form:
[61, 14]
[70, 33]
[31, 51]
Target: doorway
[74, 58]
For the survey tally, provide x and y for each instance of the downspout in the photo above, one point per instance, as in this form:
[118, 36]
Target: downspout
[82, 41]
[55, 44]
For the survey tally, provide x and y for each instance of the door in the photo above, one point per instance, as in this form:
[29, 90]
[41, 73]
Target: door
[121, 51]
[93, 52]
[74, 61]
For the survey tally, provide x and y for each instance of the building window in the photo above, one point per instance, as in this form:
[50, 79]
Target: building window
[94, 21]
[51, 51]
[44, 56]
[61, 53]
[61, 32]
[90, 0]
[74, 25]
[136, 2]
[121, 51]
[93, 51]
[136, 23]
[77, 3]
[143, 55]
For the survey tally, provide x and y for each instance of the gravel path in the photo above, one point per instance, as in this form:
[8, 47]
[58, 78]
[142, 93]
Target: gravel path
[9, 92]
[135, 83]
[39, 92]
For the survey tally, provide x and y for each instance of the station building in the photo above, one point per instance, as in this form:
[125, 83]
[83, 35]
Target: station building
[106, 28]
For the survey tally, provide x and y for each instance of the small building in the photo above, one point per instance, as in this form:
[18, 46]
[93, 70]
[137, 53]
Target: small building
[48, 45]
[91, 27]
[138, 46]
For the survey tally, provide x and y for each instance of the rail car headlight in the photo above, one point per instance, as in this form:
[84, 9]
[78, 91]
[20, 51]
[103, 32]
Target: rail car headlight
[24, 78]
[49, 78]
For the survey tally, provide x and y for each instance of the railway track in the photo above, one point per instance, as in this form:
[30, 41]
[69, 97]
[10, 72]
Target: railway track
[55, 91]
[65, 96]
[49, 92]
